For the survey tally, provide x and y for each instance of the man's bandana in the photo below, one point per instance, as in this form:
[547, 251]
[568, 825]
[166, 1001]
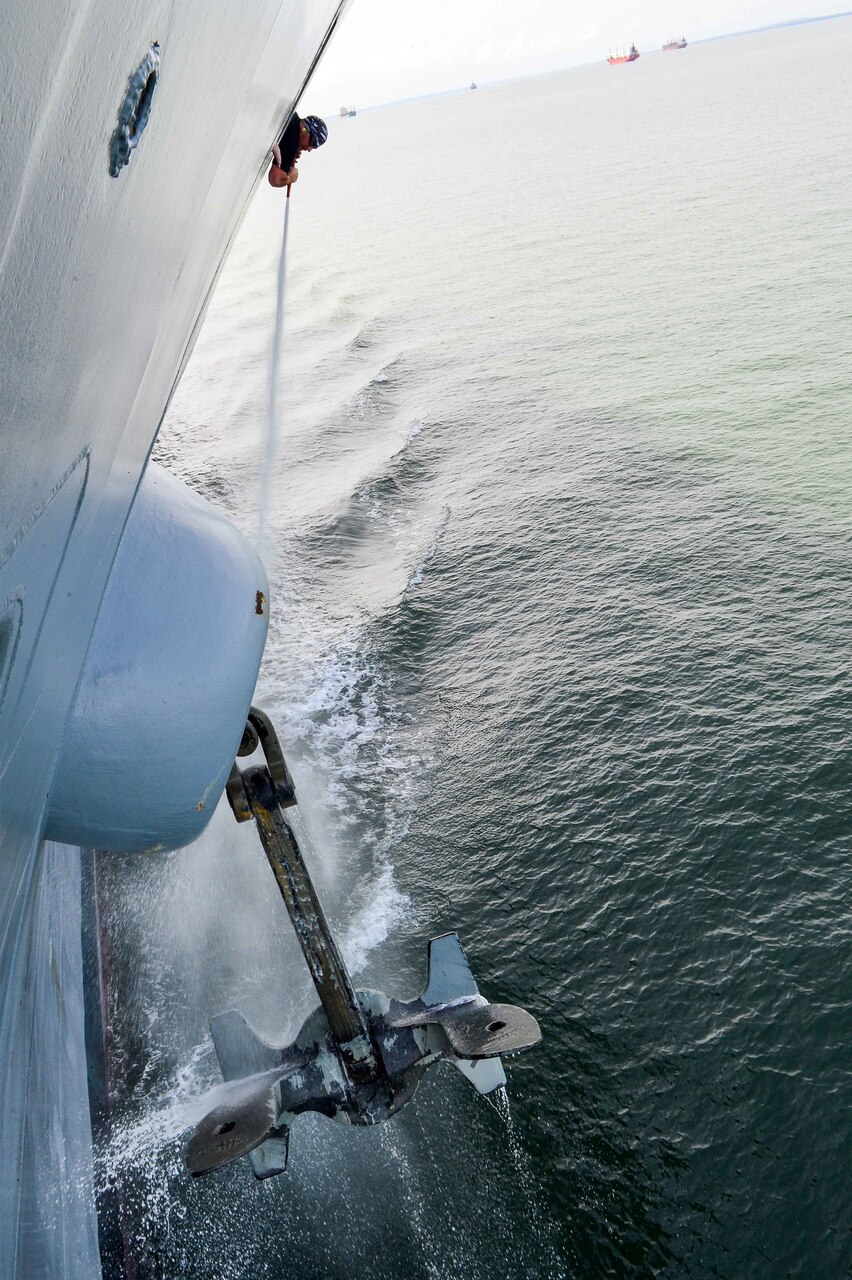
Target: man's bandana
[317, 129]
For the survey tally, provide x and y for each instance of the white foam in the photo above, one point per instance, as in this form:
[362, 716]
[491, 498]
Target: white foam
[144, 1138]
[384, 909]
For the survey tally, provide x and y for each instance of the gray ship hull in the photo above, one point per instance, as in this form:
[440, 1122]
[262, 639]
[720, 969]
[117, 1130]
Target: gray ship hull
[104, 282]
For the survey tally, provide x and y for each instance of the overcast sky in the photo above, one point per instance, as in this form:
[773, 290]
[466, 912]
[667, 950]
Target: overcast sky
[389, 49]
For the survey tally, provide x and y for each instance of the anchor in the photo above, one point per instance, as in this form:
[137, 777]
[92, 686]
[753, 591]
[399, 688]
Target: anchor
[360, 1056]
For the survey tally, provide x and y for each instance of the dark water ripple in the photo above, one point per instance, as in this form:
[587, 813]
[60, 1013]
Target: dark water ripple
[664, 822]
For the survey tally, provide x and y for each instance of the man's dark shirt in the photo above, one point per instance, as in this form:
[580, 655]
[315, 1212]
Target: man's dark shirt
[289, 142]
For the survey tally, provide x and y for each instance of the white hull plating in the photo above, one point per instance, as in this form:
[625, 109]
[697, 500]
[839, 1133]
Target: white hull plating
[103, 284]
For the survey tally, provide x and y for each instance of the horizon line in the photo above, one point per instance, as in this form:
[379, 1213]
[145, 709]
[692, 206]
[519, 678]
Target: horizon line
[590, 62]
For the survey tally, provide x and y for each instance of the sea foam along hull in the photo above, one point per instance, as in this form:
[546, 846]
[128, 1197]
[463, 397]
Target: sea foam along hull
[103, 284]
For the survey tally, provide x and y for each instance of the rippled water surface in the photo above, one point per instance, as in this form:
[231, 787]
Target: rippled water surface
[561, 569]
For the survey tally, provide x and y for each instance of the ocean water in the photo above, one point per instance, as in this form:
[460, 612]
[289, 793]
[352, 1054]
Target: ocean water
[561, 565]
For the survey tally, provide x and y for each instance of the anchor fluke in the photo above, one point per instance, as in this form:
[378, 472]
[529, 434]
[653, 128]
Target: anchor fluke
[480, 1030]
[360, 1056]
[237, 1125]
[451, 1001]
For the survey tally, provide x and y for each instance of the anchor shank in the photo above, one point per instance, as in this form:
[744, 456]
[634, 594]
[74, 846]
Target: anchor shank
[324, 961]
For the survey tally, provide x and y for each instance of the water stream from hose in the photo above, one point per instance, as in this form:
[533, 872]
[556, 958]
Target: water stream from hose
[273, 415]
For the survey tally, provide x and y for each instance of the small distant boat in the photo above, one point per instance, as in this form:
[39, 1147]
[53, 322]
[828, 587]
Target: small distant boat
[348, 111]
[473, 84]
[615, 58]
[675, 43]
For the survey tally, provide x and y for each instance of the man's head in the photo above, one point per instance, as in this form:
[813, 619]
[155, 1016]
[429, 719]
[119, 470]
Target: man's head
[313, 133]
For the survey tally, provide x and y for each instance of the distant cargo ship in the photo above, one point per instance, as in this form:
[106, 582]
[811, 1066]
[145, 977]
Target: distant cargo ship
[676, 44]
[348, 111]
[631, 56]
[473, 84]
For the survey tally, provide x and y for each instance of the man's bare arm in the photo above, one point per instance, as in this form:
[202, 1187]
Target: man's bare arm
[279, 177]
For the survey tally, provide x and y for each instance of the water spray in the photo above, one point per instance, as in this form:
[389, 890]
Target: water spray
[273, 416]
[360, 1055]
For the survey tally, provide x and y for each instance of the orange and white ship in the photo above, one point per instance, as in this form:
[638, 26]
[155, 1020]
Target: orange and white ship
[630, 56]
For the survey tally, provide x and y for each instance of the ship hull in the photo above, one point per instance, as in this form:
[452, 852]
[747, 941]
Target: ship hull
[104, 282]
